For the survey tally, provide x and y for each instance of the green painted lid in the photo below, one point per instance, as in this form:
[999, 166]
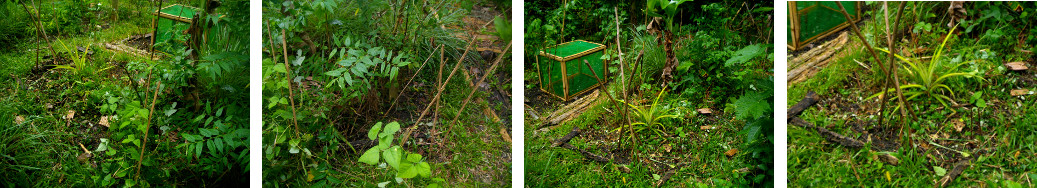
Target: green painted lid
[572, 49]
[178, 10]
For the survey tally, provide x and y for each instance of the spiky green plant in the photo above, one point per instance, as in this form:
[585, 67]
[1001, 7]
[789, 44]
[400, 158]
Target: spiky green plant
[78, 59]
[649, 117]
[928, 79]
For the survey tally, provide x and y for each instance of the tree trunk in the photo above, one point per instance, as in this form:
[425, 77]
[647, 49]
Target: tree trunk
[671, 58]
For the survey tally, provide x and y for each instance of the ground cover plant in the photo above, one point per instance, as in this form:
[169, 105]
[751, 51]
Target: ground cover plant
[386, 93]
[707, 125]
[963, 114]
[89, 104]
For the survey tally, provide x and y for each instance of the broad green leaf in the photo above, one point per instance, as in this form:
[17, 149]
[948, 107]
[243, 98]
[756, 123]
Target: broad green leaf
[392, 156]
[102, 146]
[407, 171]
[384, 141]
[212, 147]
[370, 156]
[371, 134]
[294, 144]
[745, 54]
[219, 144]
[336, 72]
[198, 148]
[940, 171]
[207, 132]
[424, 169]
[391, 128]
[414, 158]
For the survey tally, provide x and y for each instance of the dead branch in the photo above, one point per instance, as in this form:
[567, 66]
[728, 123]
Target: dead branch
[954, 173]
[565, 139]
[808, 101]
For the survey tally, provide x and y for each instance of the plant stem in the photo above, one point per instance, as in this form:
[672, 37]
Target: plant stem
[476, 85]
[622, 74]
[147, 128]
[39, 25]
[288, 72]
[411, 80]
[442, 87]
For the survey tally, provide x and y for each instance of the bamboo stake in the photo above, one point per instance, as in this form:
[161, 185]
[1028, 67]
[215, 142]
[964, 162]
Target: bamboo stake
[148, 128]
[288, 72]
[622, 74]
[411, 80]
[442, 87]
[476, 85]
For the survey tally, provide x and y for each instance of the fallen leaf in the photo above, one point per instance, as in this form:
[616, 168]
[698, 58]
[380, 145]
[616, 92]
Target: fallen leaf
[19, 120]
[624, 169]
[504, 134]
[104, 121]
[731, 152]
[958, 125]
[1016, 66]
[705, 127]
[48, 105]
[71, 114]
[889, 159]
[705, 111]
[1020, 92]
[888, 179]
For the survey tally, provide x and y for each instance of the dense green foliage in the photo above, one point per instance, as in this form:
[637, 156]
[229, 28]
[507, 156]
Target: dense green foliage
[334, 68]
[725, 63]
[960, 108]
[95, 117]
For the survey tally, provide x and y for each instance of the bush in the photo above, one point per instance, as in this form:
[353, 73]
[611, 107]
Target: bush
[16, 25]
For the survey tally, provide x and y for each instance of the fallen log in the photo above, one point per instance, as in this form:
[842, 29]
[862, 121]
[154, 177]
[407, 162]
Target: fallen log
[570, 111]
[809, 101]
[564, 143]
[802, 105]
[565, 139]
[829, 135]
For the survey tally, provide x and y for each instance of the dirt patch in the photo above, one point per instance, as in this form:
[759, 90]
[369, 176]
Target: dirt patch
[142, 42]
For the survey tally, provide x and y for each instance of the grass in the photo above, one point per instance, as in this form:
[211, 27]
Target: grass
[995, 135]
[701, 152]
[45, 145]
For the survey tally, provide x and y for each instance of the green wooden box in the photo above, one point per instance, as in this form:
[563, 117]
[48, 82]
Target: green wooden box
[172, 21]
[572, 68]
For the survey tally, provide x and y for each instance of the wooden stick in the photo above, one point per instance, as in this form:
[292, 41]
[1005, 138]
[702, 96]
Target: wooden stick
[476, 85]
[410, 81]
[442, 87]
[148, 127]
[288, 72]
[802, 105]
